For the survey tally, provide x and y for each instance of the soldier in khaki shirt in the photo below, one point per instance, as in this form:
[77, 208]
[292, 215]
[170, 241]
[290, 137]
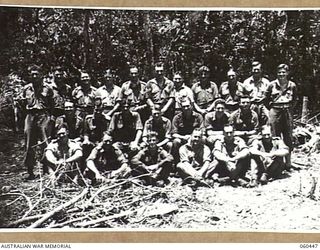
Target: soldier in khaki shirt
[106, 161]
[281, 96]
[232, 157]
[205, 92]
[267, 154]
[195, 158]
[38, 98]
[256, 86]
[64, 154]
[153, 161]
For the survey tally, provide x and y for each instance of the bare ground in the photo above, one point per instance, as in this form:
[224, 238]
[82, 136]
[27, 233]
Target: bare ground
[281, 205]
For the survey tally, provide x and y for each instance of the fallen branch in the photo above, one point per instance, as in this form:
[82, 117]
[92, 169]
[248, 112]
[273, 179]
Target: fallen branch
[26, 219]
[58, 209]
[19, 194]
[68, 222]
[110, 217]
[104, 188]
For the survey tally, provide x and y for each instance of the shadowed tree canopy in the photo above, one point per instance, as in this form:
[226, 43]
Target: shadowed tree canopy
[184, 40]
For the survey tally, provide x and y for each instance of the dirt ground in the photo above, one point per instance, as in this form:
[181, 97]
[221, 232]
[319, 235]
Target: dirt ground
[281, 205]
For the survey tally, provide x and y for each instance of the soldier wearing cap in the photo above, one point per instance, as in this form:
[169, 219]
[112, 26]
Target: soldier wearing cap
[39, 102]
[135, 89]
[256, 86]
[215, 121]
[267, 156]
[109, 93]
[161, 125]
[160, 90]
[231, 90]
[70, 120]
[183, 125]
[232, 158]
[153, 160]
[106, 161]
[84, 96]
[126, 128]
[63, 152]
[281, 96]
[244, 120]
[195, 158]
[205, 92]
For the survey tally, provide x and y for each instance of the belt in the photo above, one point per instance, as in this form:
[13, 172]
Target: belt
[85, 109]
[280, 106]
[58, 111]
[37, 111]
[205, 104]
[107, 107]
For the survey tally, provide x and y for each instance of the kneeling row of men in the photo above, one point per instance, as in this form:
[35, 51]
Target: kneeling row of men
[230, 159]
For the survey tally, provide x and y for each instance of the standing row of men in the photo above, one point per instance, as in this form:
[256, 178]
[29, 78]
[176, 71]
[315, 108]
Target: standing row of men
[137, 114]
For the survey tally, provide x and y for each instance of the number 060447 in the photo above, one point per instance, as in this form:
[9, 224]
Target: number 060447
[308, 245]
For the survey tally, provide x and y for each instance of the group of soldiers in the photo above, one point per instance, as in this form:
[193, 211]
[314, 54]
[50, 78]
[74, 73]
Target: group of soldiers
[239, 133]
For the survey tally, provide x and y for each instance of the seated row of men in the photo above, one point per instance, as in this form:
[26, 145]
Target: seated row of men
[196, 148]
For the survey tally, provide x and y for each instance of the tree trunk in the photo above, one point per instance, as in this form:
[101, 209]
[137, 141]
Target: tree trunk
[150, 49]
[86, 39]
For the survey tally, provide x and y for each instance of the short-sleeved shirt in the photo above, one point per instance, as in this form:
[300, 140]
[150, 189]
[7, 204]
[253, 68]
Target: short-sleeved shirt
[124, 130]
[183, 126]
[230, 149]
[105, 161]
[182, 94]
[148, 157]
[61, 95]
[137, 95]
[275, 144]
[243, 122]
[163, 128]
[109, 98]
[38, 99]
[65, 153]
[94, 126]
[256, 90]
[73, 124]
[231, 95]
[275, 96]
[212, 122]
[84, 99]
[196, 155]
[205, 95]
[160, 94]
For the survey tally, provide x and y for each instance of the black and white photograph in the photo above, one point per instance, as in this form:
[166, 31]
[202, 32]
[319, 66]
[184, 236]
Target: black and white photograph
[160, 119]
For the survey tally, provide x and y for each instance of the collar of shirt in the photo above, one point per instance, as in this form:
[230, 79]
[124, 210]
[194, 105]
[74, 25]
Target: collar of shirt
[204, 85]
[91, 89]
[138, 85]
[193, 148]
[183, 86]
[226, 86]
[105, 88]
[165, 82]
[259, 82]
[193, 115]
[240, 117]
[214, 116]
[278, 86]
